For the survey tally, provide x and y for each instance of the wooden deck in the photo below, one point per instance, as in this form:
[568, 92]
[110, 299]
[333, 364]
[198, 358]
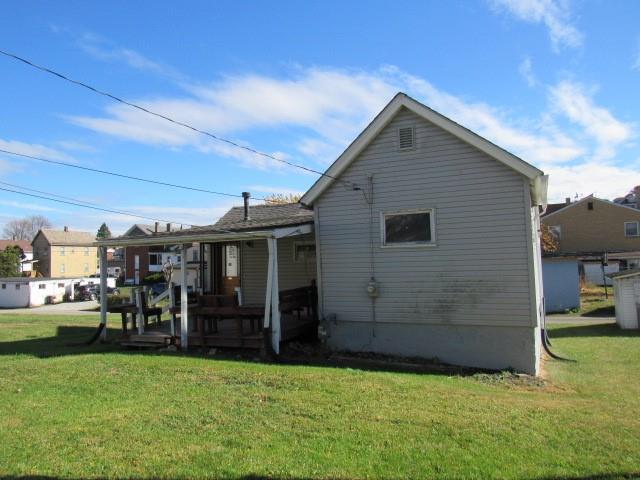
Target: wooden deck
[228, 334]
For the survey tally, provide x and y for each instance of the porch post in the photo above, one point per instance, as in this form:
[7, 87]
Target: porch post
[184, 315]
[103, 292]
[272, 288]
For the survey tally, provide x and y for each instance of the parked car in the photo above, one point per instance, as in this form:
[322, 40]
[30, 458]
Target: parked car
[110, 291]
[84, 293]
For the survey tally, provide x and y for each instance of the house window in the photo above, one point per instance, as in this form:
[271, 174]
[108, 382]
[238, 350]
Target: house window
[4, 286]
[73, 250]
[86, 251]
[155, 259]
[62, 251]
[556, 231]
[62, 268]
[411, 227]
[42, 286]
[86, 267]
[17, 286]
[590, 206]
[631, 229]
[304, 251]
[61, 285]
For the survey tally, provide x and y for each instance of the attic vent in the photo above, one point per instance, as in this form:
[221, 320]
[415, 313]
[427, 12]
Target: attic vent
[406, 138]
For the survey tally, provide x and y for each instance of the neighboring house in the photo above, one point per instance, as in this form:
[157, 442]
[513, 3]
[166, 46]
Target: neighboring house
[26, 265]
[593, 225]
[140, 261]
[65, 253]
[603, 235]
[422, 239]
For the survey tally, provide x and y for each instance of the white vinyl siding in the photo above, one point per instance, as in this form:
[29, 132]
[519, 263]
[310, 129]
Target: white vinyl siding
[291, 274]
[479, 272]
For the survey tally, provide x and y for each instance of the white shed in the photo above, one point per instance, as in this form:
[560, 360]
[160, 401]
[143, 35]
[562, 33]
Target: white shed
[23, 292]
[626, 288]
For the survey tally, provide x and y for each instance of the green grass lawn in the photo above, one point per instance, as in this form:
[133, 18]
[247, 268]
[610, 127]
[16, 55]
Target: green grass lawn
[79, 412]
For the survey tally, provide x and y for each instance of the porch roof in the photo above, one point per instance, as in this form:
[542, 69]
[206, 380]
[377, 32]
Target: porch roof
[267, 221]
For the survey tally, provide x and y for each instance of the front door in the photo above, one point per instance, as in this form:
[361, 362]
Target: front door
[230, 264]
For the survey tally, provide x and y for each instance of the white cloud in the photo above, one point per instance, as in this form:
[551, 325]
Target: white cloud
[33, 149]
[603, 180]
[526, 71]
[330, 106]
[103, 49]
[323, 110]
[554, 14]
[576, 103]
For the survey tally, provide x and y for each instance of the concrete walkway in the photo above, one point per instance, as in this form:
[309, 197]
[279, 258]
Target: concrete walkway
[66, 308]
[578, 320]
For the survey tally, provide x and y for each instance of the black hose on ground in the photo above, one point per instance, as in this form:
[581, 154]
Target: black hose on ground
[546, 344]
[92, 340]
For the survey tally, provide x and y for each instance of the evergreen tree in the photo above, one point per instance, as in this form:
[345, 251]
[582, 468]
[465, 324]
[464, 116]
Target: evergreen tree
[10, 261]
[103, 232]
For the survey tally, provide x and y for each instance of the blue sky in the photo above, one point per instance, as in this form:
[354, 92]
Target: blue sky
[553, 82]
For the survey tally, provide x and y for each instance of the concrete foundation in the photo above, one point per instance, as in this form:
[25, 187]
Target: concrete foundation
[496, 348]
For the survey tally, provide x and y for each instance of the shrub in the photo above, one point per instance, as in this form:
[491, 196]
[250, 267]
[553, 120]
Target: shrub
[153, 278]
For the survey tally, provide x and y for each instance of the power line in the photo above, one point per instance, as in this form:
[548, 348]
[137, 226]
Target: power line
[122, 175]
[169, 119]
[95, 206]
[83, 205]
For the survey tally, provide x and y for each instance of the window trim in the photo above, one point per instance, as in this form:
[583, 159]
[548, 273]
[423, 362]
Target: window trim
[637, 229]
[296, 243]
[383, 228]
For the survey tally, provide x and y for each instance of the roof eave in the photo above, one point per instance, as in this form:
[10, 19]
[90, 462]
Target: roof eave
[383, 119]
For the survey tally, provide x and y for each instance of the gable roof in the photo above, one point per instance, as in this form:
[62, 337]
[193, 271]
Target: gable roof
[25, 245]
[69, 237]
[264, 216]
[554, 207]
[584, 199]
[536, 176]
[140, 229]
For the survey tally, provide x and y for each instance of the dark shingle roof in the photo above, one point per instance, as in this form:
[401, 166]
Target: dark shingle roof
[554, 207]
[264, 216]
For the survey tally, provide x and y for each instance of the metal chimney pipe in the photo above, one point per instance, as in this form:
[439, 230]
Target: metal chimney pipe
[246, 196]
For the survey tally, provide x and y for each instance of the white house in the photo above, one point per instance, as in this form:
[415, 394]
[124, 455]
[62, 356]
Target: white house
[427, 240]
[421, 240]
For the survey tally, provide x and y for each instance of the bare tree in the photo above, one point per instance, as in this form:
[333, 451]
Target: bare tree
[282, 198]
[25, 228]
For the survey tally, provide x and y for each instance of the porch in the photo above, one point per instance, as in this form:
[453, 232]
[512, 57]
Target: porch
[255, 287]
